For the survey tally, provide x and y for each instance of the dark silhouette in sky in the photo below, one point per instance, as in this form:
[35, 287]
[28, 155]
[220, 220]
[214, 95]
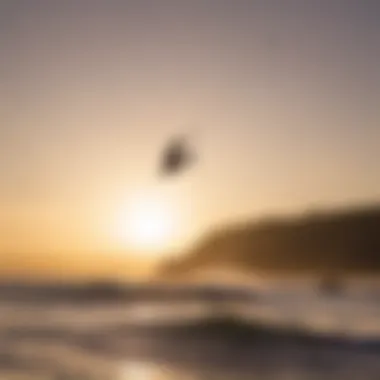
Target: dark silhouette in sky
[176, 157]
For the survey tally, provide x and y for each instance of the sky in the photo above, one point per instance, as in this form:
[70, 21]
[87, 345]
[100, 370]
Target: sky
[280, 98]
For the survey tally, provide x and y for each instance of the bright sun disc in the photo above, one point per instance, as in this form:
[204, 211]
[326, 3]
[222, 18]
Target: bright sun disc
[148, 224]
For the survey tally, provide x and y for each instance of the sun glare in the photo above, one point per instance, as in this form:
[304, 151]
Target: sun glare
[148, 224]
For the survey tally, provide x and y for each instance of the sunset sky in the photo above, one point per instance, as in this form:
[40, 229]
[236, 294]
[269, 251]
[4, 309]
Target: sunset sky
[282, 97]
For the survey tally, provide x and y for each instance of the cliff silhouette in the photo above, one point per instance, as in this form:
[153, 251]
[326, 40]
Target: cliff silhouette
[323, 242]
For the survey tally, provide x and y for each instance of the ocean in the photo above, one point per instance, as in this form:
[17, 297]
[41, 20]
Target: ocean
[278, 329]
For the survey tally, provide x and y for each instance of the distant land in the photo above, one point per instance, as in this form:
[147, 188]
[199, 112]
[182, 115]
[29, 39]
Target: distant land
[329, 242]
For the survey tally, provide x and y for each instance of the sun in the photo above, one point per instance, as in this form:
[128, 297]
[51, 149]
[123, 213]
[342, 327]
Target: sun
[148, 224]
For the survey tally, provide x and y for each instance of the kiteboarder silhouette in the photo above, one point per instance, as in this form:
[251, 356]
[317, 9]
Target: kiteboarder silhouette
[176, 157]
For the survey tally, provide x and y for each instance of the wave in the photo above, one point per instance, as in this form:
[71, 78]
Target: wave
[51, 337]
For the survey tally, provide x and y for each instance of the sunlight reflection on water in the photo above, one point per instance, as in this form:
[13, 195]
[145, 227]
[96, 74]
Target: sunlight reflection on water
[140, 370]
[136, 370]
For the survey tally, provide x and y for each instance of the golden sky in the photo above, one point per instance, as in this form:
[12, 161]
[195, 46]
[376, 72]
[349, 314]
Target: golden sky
[283, 97]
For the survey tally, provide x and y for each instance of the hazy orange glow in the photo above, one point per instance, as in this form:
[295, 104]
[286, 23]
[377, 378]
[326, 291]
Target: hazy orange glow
[283, 100]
